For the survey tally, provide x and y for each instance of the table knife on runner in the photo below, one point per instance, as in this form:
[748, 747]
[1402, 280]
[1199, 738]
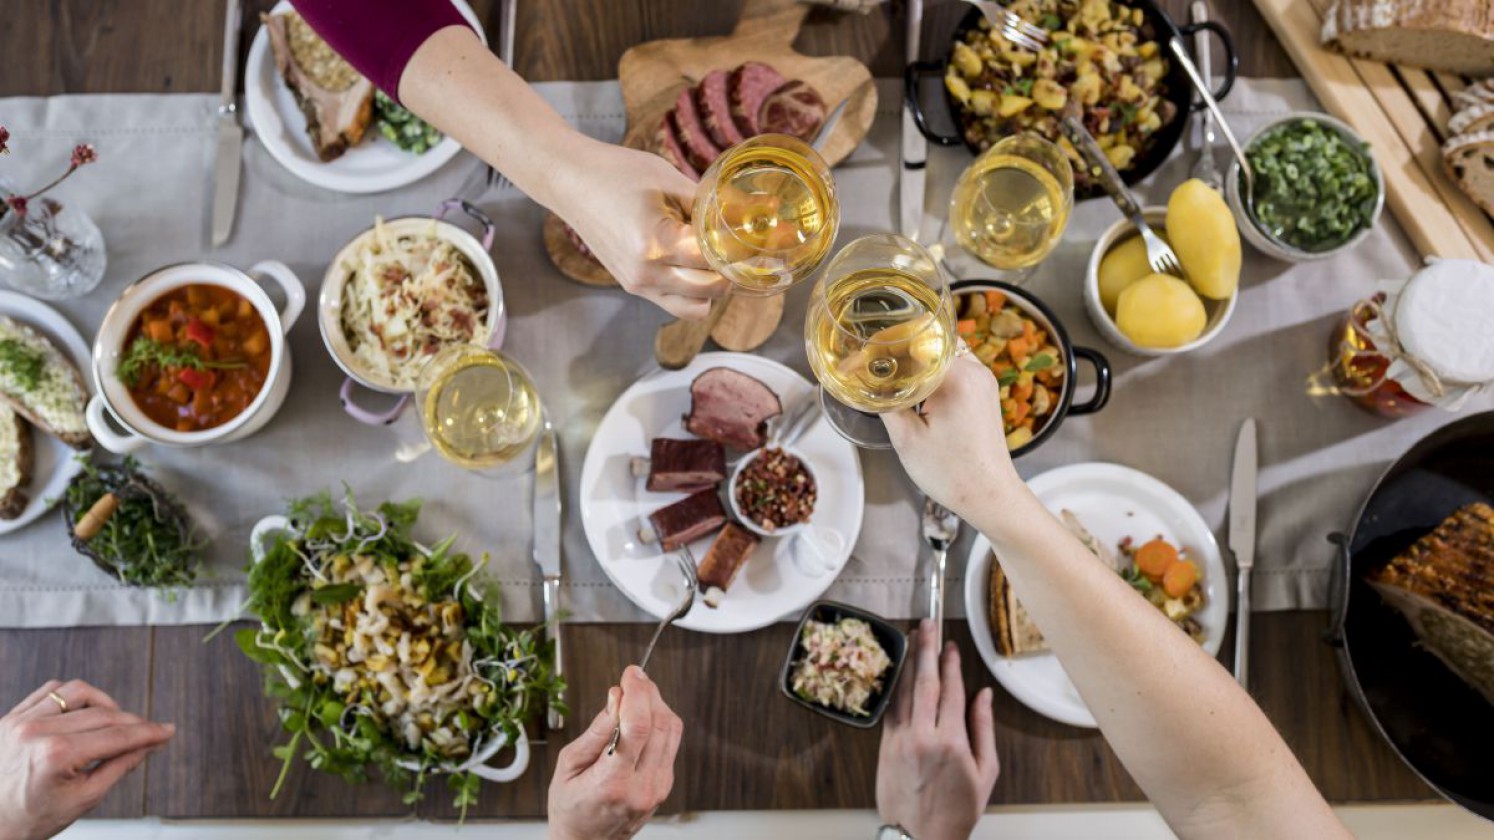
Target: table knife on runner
[1242, 499]
[547, 507]
[227, 159]
[910, 184]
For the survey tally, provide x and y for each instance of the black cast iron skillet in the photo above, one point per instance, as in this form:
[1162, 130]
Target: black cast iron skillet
[1157, 26]
[1436, 723]
[1039, 312]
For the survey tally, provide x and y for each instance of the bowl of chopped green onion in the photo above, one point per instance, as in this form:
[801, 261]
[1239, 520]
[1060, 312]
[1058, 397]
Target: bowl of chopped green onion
[1318, 189]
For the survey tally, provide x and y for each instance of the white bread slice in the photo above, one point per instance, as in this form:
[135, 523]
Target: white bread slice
[16, 462]
[1454, 36]
[1469, 161]
[55, 404]
[1477, 93]
[1471, 120]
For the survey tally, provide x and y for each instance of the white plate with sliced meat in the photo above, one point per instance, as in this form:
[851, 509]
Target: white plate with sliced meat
[780, 575]
[43, 333]
[372, 165]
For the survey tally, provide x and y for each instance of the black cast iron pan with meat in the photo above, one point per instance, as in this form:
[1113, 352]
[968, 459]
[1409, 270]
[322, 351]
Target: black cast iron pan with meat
[1156, 26]
[1440, 726]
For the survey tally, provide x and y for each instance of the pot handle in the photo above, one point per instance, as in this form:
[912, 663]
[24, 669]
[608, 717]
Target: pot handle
[513, 770]
[262, 530]
[295, 291]
[911, 77]
[500, 329]
[1102, 381]
[1338, 591]
[1231, 58]
[96, 416]
[365, 416]
[488, 229]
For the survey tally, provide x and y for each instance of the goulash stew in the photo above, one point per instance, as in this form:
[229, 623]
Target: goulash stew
[196, 357]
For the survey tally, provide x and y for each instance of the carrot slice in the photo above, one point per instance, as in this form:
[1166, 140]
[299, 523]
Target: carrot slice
[965, 326]
[1179, 578]
[1155, 558]
[995, 300]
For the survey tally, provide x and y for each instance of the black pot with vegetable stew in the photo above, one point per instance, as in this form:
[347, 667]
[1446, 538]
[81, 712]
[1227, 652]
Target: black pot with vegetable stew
[1024, 345]
[196, 357]
[1111, 59]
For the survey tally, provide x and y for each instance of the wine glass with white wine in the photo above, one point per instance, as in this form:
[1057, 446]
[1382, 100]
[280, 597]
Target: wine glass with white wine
[766, 214]
[1010, 207]
[479, 409]
[879, 334]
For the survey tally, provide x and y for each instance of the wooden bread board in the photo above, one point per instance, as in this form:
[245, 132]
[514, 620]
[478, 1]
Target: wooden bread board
[652, 75]
[1402, 112]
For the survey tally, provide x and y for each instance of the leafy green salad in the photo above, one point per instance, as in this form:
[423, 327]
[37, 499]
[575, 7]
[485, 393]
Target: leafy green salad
[403, 128]
[383, 653]
[1314, 187]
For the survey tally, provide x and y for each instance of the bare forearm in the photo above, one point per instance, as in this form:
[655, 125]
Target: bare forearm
[456, 84]
[1193, 739]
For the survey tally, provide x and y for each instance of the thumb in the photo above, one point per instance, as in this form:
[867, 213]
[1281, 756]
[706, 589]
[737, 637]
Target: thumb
[679, 245]
[902, 425]
[588, 746]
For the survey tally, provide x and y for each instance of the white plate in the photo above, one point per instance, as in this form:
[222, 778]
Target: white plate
[1112, 502]
[771, 586]
[374, 165]
[55, 461]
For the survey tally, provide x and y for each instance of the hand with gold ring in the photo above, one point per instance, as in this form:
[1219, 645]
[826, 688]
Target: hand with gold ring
[61, 750]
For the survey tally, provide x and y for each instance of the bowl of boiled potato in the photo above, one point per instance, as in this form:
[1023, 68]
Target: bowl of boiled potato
[1152, 314]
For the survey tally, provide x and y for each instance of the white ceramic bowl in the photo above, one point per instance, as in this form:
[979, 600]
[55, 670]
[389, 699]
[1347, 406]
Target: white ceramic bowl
[1217, 312]
[329, 304]
[111, 398]
[1280, 250]
[477, 762]
[741, 517]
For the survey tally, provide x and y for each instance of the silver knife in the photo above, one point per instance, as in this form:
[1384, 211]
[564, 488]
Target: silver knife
[914, 147]
[230, 133]
[508, 14]
[547, 541]
[1242, 497]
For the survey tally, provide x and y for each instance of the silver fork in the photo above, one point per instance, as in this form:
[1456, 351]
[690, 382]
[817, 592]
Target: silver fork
[686, 561]
[1159, 255]
[1011, 25]
[940, 529]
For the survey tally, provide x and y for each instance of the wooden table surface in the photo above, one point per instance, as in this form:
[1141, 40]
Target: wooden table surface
[745, 747]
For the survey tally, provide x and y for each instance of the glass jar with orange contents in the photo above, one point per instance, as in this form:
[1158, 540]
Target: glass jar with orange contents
[1429, 343]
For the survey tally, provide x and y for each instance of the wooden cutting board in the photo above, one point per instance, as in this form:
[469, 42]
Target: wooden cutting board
[1402, 112]
[652, 75]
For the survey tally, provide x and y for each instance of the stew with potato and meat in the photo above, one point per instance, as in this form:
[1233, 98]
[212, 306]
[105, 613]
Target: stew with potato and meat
[196, 357]
[1027, 362]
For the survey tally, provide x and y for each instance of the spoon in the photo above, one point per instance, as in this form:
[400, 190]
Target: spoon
[686, 562]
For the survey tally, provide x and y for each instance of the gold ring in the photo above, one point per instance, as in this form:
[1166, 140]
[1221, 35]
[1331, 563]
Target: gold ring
[57, 698]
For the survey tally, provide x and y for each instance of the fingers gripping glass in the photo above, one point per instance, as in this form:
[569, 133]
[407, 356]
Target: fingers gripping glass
[879, 334]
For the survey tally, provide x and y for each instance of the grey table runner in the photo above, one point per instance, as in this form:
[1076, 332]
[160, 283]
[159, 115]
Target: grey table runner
[1174, 418]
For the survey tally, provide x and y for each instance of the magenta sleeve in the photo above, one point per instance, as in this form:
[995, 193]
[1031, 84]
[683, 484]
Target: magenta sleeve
[378, 37]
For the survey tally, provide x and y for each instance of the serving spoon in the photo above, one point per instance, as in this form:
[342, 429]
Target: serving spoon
[686, 561]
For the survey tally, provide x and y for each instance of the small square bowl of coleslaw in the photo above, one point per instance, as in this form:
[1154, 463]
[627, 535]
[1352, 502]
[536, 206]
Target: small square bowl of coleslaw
[844, 663]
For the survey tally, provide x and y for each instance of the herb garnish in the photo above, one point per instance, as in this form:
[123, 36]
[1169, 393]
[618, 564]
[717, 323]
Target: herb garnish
[344, 732]
[148, 541]
[1041, 361]
[145, 352]
[22, 363]
[1314, 188]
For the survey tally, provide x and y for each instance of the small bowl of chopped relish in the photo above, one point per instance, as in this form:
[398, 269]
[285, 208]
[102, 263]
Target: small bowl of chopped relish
[773, 491]
[844, 663]
[1318, 189]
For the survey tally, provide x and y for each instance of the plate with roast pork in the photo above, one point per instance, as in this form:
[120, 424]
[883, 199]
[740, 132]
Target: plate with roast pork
[688, 459]
[325, 122]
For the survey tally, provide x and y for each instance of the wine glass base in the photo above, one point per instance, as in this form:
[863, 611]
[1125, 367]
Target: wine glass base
[865, 430]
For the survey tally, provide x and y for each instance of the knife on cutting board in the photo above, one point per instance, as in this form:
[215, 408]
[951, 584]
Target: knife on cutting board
[1242, 500]
[547, 509]
[230, 144]
[910, 184]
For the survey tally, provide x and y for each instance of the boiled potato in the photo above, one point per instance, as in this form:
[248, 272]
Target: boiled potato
[1160, 310]
[1202, 232]
[1121, 266]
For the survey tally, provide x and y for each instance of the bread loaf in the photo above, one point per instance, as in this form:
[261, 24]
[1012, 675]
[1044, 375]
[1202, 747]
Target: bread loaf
[1454, 36]
[15, 462]
[1471, 120]
[1469, 160]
